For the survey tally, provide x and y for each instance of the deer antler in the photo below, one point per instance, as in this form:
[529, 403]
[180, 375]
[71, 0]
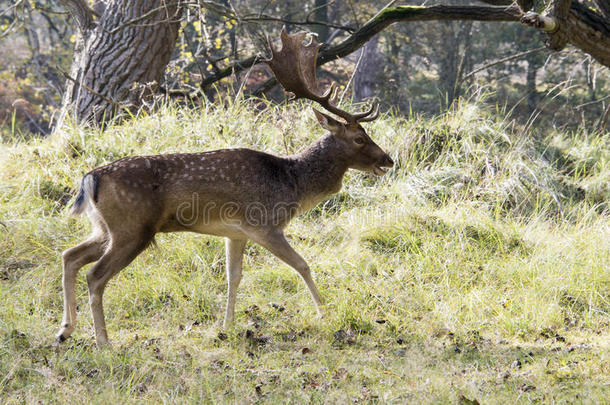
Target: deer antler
[294, 66]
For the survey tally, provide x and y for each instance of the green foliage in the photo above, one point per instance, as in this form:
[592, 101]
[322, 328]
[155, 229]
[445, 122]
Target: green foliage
[421, 66]
[35, 44]
[454, 277]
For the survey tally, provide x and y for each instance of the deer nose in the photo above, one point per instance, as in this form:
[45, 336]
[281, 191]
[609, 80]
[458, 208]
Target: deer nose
[387, 161]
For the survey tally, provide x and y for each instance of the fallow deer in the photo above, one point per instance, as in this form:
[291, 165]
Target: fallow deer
[240, 194]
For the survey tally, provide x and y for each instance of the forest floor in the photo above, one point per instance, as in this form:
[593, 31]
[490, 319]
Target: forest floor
[476, 271]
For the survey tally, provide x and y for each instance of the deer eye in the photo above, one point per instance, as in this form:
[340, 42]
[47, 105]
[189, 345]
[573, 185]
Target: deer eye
[360, 141]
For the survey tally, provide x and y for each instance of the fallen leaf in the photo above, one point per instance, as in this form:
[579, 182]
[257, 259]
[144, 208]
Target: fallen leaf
[257, 339]
[527, 387]
[340, 374]
[92, 373]
[277, 306]
[467, 401]
[341, 336]
[400, 352]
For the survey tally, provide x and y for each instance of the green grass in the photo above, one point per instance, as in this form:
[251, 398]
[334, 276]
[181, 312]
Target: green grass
[477, 269]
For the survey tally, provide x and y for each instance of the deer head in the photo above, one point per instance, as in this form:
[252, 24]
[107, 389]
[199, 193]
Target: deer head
[294, 67]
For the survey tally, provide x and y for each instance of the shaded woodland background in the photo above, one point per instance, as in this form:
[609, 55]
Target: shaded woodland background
[412, 67]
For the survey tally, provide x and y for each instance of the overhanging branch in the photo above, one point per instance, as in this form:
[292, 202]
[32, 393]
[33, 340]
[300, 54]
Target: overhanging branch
[497, 2]
[381, 21]
[416, 13]
[580, 25]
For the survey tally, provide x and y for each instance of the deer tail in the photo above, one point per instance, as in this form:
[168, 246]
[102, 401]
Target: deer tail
[86, 194]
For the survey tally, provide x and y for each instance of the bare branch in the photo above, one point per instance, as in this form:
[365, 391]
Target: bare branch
[45, 10]
[90, 90]
[217, 8]
[382, 20]
[228, 13]
[583, 23]
[542, 22]
[416, 13]
[497, 2]
[524, 5]
[603, 7]
[12, 6]
[263, 88]
[503, 60]
[263, 18]
[149, 14]
[233, 68]
[601, 100]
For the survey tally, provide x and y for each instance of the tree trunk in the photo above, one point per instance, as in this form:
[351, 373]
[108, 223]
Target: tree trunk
[455, 54]
[532, 92]
[118, 58]
[321, 15]
[368, 70]
[448, 65]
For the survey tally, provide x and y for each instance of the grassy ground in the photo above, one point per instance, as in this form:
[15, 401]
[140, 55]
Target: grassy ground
[477, 270]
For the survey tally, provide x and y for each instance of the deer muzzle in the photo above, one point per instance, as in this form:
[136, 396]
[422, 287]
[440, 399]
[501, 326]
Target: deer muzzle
[382, 166]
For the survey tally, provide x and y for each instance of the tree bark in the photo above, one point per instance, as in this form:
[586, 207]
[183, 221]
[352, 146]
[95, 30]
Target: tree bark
[590, 33]
[129, 45]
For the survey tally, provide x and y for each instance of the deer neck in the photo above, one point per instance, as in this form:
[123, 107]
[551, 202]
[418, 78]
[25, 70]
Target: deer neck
[320, 170]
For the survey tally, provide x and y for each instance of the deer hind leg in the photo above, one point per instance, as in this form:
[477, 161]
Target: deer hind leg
[277, 244]
[73, 259]
[235, 254]
[121, 252]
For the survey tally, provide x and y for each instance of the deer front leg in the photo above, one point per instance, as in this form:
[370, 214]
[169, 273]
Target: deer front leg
[277, 244]
[235, 254]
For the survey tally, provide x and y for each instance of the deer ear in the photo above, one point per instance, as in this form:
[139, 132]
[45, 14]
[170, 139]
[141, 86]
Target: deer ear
[328, 123]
